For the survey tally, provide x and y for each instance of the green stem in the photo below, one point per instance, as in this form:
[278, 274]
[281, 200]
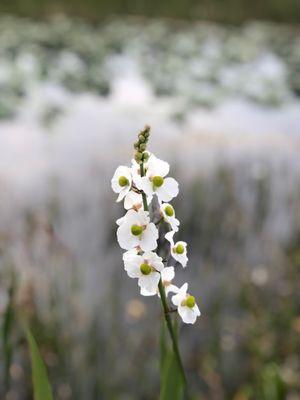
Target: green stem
[171, 330]
[166, 310]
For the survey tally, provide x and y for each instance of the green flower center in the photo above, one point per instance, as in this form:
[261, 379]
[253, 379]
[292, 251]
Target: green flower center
[145, 269]
[123, 181]
[136, 230]
[190, 301]
[179, 249]
[169, 210]
[158, 181]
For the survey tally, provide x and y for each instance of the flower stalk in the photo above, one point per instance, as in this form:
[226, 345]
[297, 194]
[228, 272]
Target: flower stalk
[165, 307]
[147, 182]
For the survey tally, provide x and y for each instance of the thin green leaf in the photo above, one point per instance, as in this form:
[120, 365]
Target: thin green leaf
[41, 386]
[6, 333]
[172, 385]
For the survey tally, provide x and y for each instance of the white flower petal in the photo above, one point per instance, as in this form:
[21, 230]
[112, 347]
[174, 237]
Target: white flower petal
[126, 240]
[149, 238]
[133, 200]
[146, 186]
[149, 282]
[132, 265]
[154, 260]
[168, 190]
[121, 171]
[123, 193]
[157, 167]
[171, 289]
[167, 274]
[169, 237]
[187, 314]
[145, 292]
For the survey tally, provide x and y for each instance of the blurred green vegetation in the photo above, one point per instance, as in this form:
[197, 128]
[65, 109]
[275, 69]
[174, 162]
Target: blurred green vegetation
[229, 11]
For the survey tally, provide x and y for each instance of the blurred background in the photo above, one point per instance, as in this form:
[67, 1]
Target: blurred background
[219, 82]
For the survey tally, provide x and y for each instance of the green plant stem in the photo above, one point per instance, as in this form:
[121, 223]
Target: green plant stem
[166, 310]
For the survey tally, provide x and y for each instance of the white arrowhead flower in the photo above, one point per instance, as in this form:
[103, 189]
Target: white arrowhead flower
[155, 181]
[168, 214]
[145, 267]
[186, 305]
[121, 181]
[178, 249]
[167, 275]
[135, 229]
[134, 200]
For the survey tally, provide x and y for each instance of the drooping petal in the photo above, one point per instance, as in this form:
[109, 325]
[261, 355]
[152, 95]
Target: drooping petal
[169, 237]
[149, 282]
[145, 292]
[123, 193]
[187, 314]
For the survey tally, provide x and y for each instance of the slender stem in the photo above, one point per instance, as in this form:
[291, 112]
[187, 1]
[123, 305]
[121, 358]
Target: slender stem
[166, 309]
[171, 330]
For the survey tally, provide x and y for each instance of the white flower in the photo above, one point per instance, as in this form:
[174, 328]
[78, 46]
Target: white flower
[145, 267]
[187, 307]
[167, 275]
[121, 182]
[135, 229]
[168, 214]
[178, 249]
[134, 200]
[155, 181]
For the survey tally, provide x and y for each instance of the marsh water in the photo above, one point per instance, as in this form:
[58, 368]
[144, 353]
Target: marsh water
[224, 108]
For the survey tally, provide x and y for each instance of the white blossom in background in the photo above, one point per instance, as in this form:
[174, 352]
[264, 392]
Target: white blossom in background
[178, 249]
[186, 305]
[138, 234]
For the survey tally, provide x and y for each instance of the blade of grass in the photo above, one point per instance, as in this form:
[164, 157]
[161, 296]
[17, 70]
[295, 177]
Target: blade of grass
[172, 384]
[41, 387]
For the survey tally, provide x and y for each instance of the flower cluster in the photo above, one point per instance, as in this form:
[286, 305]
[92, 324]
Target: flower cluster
[144, 183]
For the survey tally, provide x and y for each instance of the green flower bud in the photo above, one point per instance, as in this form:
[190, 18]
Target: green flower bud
[145, 269]
[143, 147]
[145, 156]
[136, 230]
[190, 301]
[123, 181]
[138, 157]
[179, 249]
[169, 210]
[136, 145]
[158, 181]
[142, 138]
